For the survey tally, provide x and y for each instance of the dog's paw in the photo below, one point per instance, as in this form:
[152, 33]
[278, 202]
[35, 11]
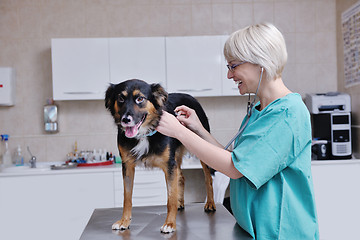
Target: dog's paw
[122, 224]
[210, 207]
[168, 228]
[181, 207]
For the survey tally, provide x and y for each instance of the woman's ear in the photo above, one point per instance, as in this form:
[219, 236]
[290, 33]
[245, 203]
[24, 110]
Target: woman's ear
[159, 94]
[109, 96]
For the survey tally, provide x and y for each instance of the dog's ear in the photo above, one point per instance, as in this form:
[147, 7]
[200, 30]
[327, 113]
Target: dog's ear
[109, 96]
[159, 94]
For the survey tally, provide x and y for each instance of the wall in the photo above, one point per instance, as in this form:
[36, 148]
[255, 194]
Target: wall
[26, 28]
[354, 91]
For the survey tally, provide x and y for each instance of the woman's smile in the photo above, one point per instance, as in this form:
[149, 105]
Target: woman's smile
[239, 84]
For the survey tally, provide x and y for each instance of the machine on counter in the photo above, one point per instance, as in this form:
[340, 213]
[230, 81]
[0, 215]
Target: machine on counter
[331, 125]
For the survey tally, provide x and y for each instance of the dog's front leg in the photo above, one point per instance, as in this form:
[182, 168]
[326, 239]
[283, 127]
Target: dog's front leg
[172, 184]
[128, 178]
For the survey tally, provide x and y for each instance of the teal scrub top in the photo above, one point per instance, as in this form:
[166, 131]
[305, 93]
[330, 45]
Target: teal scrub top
[275, 198]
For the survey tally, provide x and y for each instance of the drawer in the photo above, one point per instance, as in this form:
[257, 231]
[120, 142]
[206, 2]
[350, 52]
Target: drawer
[149, 177]
[150, 201]
[149, 188]
[118, 181]
[119, 198]
[142, 178]
[149, 192]
[143, 197]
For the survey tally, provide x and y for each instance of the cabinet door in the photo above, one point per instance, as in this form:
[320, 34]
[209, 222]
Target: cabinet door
[140, 58]
[337, 198]
[229, 88]
[80, 68]
[193, 65]
[149, 188]
[56, 206]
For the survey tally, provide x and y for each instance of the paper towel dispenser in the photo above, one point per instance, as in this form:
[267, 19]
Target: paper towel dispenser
[7, 86]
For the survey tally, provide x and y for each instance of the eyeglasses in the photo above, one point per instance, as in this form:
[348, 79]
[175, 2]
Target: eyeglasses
[232, 67]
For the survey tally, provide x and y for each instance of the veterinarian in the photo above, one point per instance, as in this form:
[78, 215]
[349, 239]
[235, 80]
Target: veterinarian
[271, 189]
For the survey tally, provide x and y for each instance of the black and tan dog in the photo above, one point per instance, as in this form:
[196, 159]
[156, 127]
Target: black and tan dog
[137, 108]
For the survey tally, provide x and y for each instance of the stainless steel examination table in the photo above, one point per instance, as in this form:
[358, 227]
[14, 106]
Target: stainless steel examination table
[192, 224]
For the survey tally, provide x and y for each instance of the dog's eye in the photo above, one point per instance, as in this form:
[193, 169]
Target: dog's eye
[121, 99]
[139, 100]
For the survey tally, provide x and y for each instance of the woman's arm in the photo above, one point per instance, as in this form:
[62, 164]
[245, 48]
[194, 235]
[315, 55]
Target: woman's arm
[213, 155]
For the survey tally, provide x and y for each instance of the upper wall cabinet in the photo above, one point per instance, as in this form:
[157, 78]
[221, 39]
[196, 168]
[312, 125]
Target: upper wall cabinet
[141, 58]
[229, 88]
[80, 68]
[193, 65]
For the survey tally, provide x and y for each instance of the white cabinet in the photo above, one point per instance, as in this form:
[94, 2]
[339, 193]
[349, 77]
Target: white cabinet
[149, 188]
[193, 65]
[141, 58]
[55, 206]
[229, 88]
[58, 204]
[80, 68]
[84, 67]
[337, 195]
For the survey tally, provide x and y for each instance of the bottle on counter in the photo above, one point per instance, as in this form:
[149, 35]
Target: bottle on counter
[18, 157]
[6, 157]
[103, 155]
[96, 156]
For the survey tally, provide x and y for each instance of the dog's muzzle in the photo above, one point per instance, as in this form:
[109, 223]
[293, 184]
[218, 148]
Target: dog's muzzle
[130, 127]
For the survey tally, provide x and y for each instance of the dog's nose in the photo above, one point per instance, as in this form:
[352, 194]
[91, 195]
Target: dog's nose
[126, 119]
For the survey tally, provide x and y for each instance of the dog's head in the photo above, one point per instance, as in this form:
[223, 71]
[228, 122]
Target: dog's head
[136, 106]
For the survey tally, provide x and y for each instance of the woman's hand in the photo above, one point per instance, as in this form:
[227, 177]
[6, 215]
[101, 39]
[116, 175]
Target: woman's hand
[189, 119]
[169, 125]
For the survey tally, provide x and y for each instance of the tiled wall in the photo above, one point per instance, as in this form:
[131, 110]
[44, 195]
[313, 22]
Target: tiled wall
[26, 27]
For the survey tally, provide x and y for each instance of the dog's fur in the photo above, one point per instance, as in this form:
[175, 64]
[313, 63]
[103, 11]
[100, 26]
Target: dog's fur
[136, 107]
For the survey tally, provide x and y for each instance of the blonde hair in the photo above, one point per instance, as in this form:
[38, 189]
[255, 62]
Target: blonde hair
[261, 44]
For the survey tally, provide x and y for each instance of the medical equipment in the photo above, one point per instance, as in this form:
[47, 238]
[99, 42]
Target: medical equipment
[249, 112]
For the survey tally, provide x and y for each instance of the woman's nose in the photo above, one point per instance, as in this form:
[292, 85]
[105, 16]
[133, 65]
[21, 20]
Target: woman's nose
[230, 74]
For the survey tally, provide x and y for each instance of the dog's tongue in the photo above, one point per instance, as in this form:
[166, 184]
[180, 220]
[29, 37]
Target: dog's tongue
[131, 132]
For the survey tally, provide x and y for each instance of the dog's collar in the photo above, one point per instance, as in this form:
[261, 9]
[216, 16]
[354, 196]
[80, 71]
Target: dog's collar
[150, 133]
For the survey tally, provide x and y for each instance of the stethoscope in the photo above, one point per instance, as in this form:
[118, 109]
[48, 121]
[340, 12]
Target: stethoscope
[249, 112]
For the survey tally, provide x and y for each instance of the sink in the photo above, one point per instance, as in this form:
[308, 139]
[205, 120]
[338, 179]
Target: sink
[40, 166]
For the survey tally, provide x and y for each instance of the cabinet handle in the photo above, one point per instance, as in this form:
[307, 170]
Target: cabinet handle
[81, 92]
[195, 90]
[147, 196]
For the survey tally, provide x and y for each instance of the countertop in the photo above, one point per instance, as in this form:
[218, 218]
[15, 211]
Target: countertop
[335, 162]
[191, 223]
[44, 168]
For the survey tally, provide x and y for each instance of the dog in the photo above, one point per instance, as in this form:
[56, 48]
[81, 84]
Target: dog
[136, 107]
